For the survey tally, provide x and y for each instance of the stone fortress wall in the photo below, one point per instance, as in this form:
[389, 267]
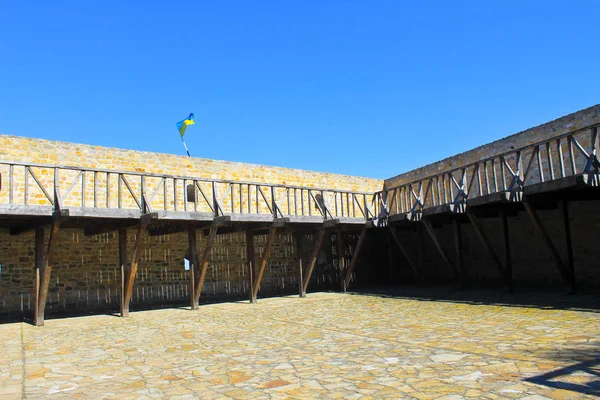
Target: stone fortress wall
[86, 271]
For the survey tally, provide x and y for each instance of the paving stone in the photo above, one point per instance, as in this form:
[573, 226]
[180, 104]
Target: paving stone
[326, 346]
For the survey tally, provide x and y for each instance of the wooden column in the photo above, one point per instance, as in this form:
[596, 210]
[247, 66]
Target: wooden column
[299, 257]
[193, 260]
[39, 265]
[560, 265]
[438, 245]
[404, 251]
[132, 270]
[508, 284]
[264, 260]
[313, 260]
[341, 253]
[458, 251]
[251, 267]
[45, 272]
[205, 259]
[354, 261]
[123, 269]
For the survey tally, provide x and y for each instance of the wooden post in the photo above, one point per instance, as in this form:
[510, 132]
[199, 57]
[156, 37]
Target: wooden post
[458, 251]
[354, 261]
[404, 251]
[508, 285]
[130, 276]
[251, 271]
[39, 265]
[193, 260]
[205, 260]
[264, 260]
[562, 268]
[299, 256]
[438, 245]
[45, 272]
[123, 269]
[313, 260]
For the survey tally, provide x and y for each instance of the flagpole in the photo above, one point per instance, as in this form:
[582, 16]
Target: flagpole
[186, 149]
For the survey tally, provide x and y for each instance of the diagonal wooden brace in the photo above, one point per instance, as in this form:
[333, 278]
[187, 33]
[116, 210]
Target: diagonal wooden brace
[313, 260]
[205, 259]
[565, 272]
[132, 270]
[441, 250]
[404, 251]
[502, 269]
[264, 260]
[354, 261]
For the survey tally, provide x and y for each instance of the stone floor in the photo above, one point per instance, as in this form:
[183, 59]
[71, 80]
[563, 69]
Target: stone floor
[328, 345]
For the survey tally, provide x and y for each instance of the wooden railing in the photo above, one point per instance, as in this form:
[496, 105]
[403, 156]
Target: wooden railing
[43, 185]
[566, 155]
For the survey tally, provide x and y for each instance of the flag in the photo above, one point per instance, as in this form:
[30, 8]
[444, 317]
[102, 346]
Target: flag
[182, 125]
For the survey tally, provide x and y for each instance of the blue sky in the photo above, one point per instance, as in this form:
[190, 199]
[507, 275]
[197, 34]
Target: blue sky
[353, 87]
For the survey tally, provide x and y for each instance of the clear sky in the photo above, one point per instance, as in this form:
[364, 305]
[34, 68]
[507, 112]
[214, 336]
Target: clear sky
[371, 88]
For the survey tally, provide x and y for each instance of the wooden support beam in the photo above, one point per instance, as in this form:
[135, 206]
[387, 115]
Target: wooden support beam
[562, 268]
[488, 247]
[132, 270]
[459, 256]
[354, 261]
[299, 258]
[438, 245]
[45, 272]
[39, 265]
[313, 259]
[193, 260]
[123, 269]
[204, 263]
[508, 284]
[404, 251]
[564, 210]
[264, 260]
[251, 267]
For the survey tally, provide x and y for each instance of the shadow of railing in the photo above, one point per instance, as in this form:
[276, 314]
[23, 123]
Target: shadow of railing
[582, 377]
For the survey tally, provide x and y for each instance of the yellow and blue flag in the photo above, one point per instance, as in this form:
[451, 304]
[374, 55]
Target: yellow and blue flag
[182, 125]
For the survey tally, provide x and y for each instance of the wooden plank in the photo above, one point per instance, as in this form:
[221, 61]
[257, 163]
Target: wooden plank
[508, 284]
[488, 246]
[299, 257]
[205, 260]
[39, 265]
[123, 269]
[562, 268]
[404, 251]
[130, 276]
[45, 273]
[354, 261]
[193, 260]
[439, 247]
[264, 260]
[251, 266]
[313, 259]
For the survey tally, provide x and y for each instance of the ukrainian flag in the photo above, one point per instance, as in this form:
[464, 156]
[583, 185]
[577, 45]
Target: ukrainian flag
[182, 125]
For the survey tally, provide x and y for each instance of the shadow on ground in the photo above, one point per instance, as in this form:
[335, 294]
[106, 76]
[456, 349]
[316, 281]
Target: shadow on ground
[589, 302]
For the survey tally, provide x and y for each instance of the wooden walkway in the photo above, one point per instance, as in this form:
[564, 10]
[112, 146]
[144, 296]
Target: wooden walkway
[543, 175]
[38, 196]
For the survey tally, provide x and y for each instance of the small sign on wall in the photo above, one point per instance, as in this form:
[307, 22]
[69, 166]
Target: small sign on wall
[186, 264]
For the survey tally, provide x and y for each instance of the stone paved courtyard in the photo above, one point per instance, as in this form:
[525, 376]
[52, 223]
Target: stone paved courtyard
[326, 346]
